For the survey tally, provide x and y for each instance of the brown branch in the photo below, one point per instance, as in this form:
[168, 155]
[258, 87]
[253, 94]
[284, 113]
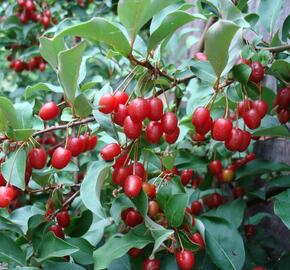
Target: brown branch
[200, 45]
[276, 49]
[71, 124]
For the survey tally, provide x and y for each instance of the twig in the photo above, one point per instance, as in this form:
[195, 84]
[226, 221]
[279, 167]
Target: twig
[276, 49]
[200, 46]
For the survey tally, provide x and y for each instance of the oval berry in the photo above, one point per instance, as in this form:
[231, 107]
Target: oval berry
[155, 109]
[110, 151]
[63, 218]
[169, 122]
[132, 130]
[120, 174]
[37, 158]
[120, 113]
[185, 259]
[151, 264]
[221, 129]
[107, 103]
[133, 186]
[172, 138]
[121, 97]
[138, 109]
[49, 111]
[60, 158]
[252, 119]
[153, 132]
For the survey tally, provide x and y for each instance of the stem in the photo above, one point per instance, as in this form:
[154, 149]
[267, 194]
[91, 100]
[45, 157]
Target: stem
[227, 106]
[277, 48]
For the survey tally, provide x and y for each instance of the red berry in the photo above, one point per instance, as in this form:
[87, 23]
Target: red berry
[133, 218]
[151, 264]
[45, 21]
[234, 141]
[221, 129]
[19, 66]
[169, 122]
[244, 106]
[252, 119]
[261, 107]
[63, 218]
[110, 151]
[24, 18]
[120, 174]
[283, 97]
[132, 129]
[2, 180]
[153, 209]
[21, 3]
[107, 103]
[186, 176]
[49, 111]
[75, 145]
[47, 13]
[197, 238]
[196, 207]
[200, 56]
[243, 61]
[155, 109]
[201, 120]
[135, 252]
[60, 158]
[6, 196]
[284, 116]
[185, 259]
[250, 230]
[215, 167]
[154, 132]
[246, 141]
[257, 73]
[92, 142]
[122, 160]
[30, 6]
[172, 138]
[149, 189]
[121, 97]
[133, 186]
[42, 67]
[32, 64]
[259, 268]
[138, 109]
[137, 168]
[37, 158]
[120, 113]
[238, 192]
[249, 157]
[57, 231]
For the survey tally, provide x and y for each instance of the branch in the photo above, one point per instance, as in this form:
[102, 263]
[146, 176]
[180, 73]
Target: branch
[71, 124]
[276, 49]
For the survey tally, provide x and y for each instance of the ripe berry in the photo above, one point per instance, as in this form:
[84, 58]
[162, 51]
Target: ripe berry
[45, 21]
[200, 56]
[132, 129]
[122, 160]
[120, 113]
[149, 189]
[92, 142]
[133, 186]
[196, 207]
[110, 151]
[37, 158]
[185, 259]
[107, 103]
[21, 3]
[153, 209]
[18, 64]
[60, 158]
[215, 167]
[137, 168]
[32, 64]
[47, 13]
[84, 141]
[172, 138]
[57, 231]
[234, 141]
[198, 137]
[30, 6]
[246, 141]
[151, 264]
[135, 252]
[261, 107]
[2, 180]
[243, 106]
[42, 67]
[197, 238]
[155, 109]
[63, 219]
[221, 129]
[259, 268]
[138, 109]
[243, 61]
[169, 122]
[283, 97]
[238, 192]
[252, 118]
[6, 196]
[201, 120]
[49, 111]
[186, 176]
[249, 157]
[75, 145]
[120, 174]
[257, 73]
[121, 97]
[133, 218]
[284, 116]
[154, 132]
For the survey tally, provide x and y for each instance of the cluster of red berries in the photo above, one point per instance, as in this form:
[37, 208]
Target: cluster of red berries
[63, 221]
[282, 105]
[36, 62]
[131, 116]
[27, 11]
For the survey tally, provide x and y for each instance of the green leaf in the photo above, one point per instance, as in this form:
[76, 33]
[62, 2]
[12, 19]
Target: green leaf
[136, 13]
[24, 112]
[203, 70]
[141, 203]
[269, 11]
[160, 236]
[281, 207]
[85, 254]
[100, 30]
[242, 73]
[9, 251]
[47, 87]
[92, 185]
[169, 25]
[82, 106]
[279, 131]
[233, 212]
[259, 167]
[168, 162]
[187, 243]
[118, 205]
[79, 225]
[62, 266]
[279, 182]
[52, 246]
[122, 263]
[117, 246]
[9, 112]
[6, 224]
[286, 29]
[224, 244]
[281, 69]
[22, 134]
[217, 43]
[13, 169]
[69, 67]
[175, 209]
[256, 219]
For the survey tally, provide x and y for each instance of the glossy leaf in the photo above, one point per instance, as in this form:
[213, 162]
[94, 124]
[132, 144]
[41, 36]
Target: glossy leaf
[242, 73]
[118, 205]
[141, 203]
[281, 207]
[62, 266]
[9, 112]
[47, 87]
[82, 106]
